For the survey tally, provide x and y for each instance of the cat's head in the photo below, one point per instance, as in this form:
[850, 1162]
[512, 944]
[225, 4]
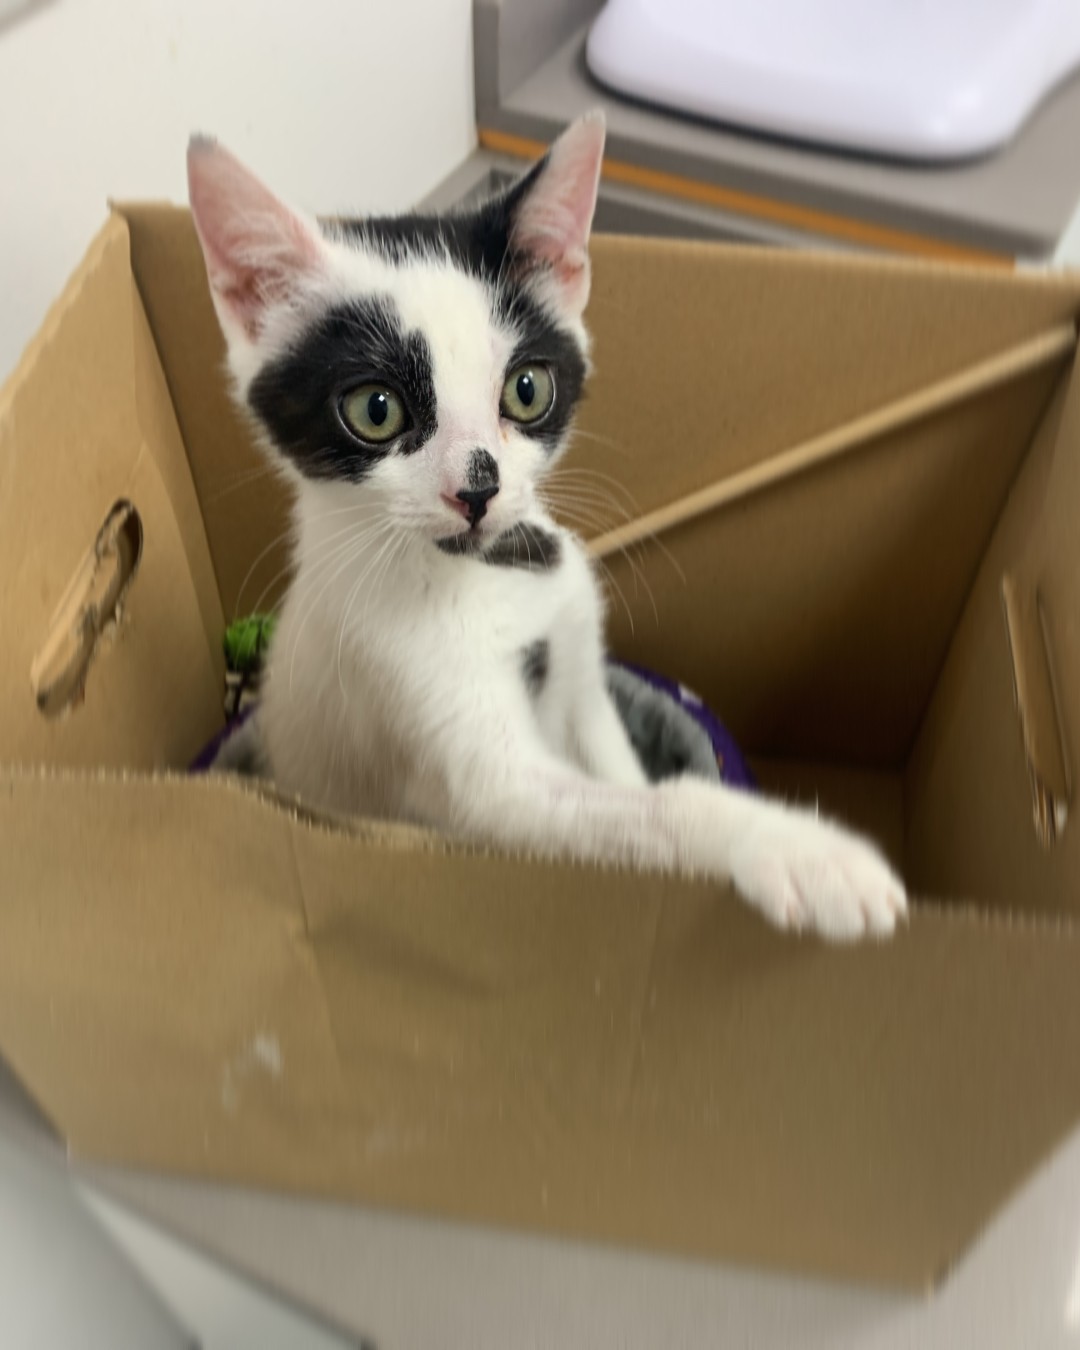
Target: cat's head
[430, 363]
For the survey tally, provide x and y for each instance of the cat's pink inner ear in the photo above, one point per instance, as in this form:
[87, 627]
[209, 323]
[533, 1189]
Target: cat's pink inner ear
[554, 219]
[258, 252]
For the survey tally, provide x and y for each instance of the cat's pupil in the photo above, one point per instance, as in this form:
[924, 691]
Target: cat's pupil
[526, 390]
[378, 409]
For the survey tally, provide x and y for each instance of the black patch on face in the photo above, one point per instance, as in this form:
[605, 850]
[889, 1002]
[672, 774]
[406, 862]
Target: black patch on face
[479, 242]
[535, 664]
[297, 396]
[529, 547]
[543, 340]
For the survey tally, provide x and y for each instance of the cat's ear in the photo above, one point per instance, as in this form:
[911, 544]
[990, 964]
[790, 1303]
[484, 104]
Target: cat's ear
[553, 213]
[259, 253]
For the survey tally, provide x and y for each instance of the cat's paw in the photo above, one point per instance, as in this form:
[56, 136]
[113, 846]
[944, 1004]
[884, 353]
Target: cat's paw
[805, 873]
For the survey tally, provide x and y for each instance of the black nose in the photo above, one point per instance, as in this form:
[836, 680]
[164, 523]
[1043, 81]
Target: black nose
[482, 484]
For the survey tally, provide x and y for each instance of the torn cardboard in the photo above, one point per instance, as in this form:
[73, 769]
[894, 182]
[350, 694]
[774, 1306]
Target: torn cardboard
[199, 979]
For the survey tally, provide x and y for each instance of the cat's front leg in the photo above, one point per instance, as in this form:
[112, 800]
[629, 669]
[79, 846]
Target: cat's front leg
[799, 870]
[604, 748]
[506, 788]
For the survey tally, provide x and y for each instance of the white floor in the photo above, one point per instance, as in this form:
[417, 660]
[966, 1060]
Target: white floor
[76, 1270]
[78, 1267]
[434, 1286]
[223, 1310]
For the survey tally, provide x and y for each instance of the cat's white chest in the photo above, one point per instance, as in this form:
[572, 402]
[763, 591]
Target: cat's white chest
[351, 679]
[530, 627]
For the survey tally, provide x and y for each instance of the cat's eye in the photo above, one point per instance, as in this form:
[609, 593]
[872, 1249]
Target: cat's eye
[528, 393]
[374, 413]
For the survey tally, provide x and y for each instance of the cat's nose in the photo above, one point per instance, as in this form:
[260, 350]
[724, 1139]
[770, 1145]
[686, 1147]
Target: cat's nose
[482, 483]
[475, 501]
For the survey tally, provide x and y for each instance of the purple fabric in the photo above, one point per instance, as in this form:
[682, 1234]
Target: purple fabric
[204, 760]
[733, 767]
[734, 770]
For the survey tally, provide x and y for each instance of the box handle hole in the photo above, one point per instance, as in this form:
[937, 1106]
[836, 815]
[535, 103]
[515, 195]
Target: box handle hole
[1038, 707]
[88, 612]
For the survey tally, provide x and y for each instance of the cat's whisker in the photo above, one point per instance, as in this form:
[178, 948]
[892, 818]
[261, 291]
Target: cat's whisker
[282, 538]
[590, 492]
[352, 553]
[619, 592]
[523, 534]
[376, 573]
[351, 509]
[605, 512]
[350, 533]
[642, 544]
[277, 541]
[597, 481]
[571, 472]
[241, 479]
[393, 544]
[593, 508]
[606, 441]
[591, 521]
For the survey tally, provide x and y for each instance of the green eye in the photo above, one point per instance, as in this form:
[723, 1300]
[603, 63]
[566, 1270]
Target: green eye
[374, 413]
[528, 393]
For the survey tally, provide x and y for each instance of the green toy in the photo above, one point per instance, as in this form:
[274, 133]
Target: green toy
[246, 643]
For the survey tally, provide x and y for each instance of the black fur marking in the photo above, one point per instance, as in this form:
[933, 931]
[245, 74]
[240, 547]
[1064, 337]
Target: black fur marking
[529, 547]
[481, 242]
[483, 470]
[526, 546]
[542, 339]
[477, 240]
[463, 545]
[535, 665]
[297, 396]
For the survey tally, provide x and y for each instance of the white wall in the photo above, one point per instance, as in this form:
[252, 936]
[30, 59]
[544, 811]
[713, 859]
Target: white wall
[353, 105]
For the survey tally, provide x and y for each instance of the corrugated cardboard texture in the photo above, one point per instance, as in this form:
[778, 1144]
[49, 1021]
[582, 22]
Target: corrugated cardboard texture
[86, 421]
[969, 782]
[244, 505]
[832, 598]
[195, 979]
[643, 1063]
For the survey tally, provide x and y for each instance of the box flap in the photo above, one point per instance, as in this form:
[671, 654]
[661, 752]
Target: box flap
[661, 315]
[86, 425]
[833, 596]
[359, 1017]
[977, 782]
[243, 502]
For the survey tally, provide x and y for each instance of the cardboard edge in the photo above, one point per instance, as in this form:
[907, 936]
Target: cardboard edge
[113, 231]
[1066, 283]
[403, 836]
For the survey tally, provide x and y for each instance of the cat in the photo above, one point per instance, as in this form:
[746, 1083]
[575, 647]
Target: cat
[439, 655]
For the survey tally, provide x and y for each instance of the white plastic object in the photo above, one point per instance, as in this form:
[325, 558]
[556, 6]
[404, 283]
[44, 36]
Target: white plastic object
[918, 79]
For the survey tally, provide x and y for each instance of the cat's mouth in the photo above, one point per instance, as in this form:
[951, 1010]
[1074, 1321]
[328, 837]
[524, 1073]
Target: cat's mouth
[465, 542]
[524, 545]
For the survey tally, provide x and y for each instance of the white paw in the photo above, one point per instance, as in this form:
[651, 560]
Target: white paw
[805, 873]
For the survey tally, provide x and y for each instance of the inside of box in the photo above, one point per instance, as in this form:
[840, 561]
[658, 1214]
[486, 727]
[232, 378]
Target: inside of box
[848, 622]
[902, 444]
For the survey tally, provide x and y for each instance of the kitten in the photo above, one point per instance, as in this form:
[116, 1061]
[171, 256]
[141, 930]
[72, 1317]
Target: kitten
[440, 654]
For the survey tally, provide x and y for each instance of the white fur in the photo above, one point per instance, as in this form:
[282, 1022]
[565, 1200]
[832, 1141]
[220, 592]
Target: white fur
[395, 686]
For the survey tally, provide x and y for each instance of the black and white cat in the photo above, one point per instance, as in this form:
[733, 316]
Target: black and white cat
[440, 653]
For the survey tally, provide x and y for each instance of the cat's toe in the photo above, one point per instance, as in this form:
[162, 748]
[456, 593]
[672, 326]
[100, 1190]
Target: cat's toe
[811, 875]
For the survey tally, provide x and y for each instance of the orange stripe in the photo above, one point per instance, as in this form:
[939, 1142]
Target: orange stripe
[761, 208]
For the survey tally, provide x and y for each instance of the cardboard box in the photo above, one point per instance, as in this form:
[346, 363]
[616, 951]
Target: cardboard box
[876, 580]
